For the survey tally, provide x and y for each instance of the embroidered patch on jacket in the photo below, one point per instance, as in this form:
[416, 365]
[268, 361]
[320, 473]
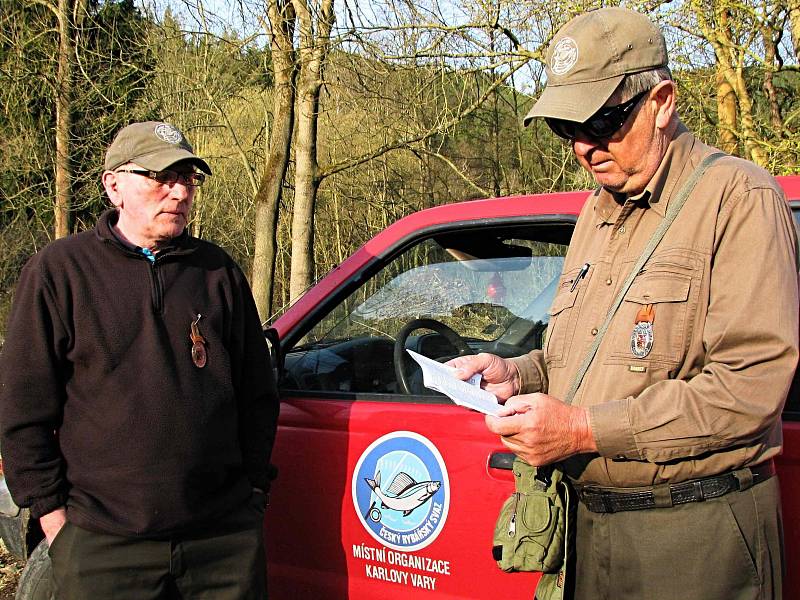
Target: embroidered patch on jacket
[642, 336]
[642, 339]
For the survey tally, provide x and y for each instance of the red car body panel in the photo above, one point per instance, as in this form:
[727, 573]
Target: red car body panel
[788, 464]
[317, 546]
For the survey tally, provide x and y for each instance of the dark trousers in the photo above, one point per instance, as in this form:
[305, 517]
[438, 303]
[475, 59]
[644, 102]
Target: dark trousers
[226, 564]
[726, 548]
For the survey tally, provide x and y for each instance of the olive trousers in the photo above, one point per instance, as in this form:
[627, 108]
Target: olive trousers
[726, 548]
[226, 564]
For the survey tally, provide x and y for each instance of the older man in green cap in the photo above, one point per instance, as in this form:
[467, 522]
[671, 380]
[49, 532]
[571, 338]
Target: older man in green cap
[671, 433]
[138, 407]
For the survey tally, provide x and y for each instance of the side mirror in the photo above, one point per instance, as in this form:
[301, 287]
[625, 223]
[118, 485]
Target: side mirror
[275, 355]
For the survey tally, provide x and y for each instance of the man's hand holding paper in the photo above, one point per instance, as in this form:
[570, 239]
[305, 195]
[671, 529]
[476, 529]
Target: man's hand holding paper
[500, 376]
[537, 427]
[442, 378]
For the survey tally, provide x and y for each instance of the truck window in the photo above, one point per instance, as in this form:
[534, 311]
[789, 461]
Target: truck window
[475, 291]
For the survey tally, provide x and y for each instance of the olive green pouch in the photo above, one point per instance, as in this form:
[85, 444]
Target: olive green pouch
[531, 530]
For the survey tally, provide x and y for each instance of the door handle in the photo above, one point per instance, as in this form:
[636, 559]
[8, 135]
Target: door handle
[501, 460]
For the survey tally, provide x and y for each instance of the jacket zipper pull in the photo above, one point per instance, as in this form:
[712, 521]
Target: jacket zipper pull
[512, 524]
[199, 356]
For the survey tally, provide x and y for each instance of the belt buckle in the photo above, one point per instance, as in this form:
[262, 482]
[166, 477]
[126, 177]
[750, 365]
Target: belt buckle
[608, 505]
[697, 491]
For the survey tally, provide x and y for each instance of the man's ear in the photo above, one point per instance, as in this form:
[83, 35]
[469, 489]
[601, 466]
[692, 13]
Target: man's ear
[664, 95]
[111, 184]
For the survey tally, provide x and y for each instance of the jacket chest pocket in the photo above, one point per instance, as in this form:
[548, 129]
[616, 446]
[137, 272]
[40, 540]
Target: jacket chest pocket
[563, 315]
[666, 293]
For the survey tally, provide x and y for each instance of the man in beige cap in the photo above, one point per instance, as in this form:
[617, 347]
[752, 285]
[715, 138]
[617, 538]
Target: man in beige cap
[137, 402]
[670, 437]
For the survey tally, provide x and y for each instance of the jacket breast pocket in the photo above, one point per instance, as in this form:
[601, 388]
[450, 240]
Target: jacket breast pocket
[668, 293]
[563, 315]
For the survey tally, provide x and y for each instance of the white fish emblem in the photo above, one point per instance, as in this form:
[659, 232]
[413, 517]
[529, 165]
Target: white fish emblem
[404, 494]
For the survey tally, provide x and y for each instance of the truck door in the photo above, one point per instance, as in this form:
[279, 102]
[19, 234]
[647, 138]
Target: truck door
[387, 489]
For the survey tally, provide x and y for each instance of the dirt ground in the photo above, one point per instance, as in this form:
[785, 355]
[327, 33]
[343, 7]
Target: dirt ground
[10, 569]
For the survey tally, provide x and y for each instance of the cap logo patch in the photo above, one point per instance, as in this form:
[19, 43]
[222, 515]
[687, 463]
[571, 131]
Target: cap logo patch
[168, 133]
[565, 55]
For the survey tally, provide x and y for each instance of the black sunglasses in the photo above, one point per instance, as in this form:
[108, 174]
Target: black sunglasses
[601, 125]
[169, 177]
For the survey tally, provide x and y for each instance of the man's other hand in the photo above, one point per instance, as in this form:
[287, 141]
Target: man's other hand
[543, 430]
[500, 376]
[52, 523]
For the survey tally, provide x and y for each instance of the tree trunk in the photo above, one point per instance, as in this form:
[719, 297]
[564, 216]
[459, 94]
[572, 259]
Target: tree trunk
[753, 150]
[770, 53]
[267, 200]
[730, 65]
[63, 168]
[306, 184]
[314, 45]
[726, 114]
[794, 24]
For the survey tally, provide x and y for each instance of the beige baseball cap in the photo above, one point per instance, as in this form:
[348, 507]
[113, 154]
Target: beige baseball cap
[152, 145]
[590, 56]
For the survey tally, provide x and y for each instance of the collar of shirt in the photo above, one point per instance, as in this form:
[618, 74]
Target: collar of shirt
[146, 252]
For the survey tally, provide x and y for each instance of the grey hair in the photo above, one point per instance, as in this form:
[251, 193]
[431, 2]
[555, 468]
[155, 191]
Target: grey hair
[636, 83]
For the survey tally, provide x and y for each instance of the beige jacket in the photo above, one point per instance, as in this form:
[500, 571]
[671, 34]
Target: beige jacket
[723, 288]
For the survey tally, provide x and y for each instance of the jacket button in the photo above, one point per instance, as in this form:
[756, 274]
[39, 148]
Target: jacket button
[608, 281]
[594, 331]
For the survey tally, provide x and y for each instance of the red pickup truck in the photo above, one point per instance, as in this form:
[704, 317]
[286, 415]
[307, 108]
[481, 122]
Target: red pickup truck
[386, 489]
[467, 277]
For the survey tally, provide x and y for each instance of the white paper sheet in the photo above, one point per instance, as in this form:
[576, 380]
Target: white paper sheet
[439, 377]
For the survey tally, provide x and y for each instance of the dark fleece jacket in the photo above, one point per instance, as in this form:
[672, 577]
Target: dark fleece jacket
[101, 405]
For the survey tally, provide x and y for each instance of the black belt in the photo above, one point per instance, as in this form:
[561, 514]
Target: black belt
[603, 500]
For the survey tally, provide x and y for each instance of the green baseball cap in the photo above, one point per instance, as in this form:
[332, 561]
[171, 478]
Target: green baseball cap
[152, 145]
[590, 56]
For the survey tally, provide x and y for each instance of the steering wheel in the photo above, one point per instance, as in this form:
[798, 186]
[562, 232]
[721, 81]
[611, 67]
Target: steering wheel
[401, 358]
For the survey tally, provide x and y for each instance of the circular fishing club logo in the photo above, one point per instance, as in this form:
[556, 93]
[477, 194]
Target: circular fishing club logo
[565, 55]
[168, 133]
[401, 492]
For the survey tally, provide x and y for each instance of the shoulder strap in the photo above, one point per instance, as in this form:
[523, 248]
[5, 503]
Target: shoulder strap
[674, 207]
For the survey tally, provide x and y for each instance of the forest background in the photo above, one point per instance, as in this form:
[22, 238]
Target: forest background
[326, 120]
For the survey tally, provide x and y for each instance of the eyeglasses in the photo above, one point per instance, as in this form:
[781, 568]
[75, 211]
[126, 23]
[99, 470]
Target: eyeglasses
[601, 125]
[169, 177]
